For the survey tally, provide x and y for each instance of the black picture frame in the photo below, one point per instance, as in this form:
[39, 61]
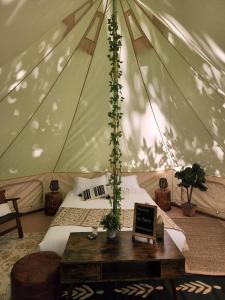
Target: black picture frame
[145, 221]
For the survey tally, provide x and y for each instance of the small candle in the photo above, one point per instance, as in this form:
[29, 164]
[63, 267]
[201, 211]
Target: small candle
[95, 230]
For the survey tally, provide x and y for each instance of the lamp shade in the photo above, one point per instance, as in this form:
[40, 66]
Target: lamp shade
[163, 184]
[54, 185]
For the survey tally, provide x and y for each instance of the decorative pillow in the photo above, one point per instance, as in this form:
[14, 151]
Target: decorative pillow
[81, 184]
[130, 182]
[95, 192]
[4, 209]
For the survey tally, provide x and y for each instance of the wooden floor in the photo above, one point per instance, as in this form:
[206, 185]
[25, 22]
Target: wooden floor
[39, 222]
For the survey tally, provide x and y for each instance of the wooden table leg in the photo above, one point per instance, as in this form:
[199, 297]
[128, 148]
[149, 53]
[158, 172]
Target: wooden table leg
[173, 288]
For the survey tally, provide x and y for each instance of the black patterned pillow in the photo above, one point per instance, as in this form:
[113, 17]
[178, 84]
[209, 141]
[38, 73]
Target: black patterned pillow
[94, 193]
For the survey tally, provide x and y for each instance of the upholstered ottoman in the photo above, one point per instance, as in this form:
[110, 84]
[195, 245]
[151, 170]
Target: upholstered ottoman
[36, 277]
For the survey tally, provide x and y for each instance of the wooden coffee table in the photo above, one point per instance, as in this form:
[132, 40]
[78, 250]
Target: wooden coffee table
[120, 259]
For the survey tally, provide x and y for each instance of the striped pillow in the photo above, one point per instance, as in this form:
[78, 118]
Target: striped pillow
[95, 192]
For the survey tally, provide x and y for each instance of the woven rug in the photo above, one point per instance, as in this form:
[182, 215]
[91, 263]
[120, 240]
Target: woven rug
[191, 287]
[206, 242]
[188, 287]
[12, 249]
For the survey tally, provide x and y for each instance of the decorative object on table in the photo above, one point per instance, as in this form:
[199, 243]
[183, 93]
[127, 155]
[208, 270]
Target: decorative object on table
[94, 233]
[163, 198]
[160, 229]
[163, 184]
[112, 220]
[191, 177]
[54, 186]
[52, 202]
[111, 223]
[144, 224]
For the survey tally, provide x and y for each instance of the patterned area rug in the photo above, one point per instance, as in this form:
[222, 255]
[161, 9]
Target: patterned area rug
[191, 287]
[207, 248]
[12, 249]
[206, 242]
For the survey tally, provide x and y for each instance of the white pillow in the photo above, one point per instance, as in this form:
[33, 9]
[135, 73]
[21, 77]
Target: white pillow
[130, 182]
[4, 209]
[124, 191]
[82, 183]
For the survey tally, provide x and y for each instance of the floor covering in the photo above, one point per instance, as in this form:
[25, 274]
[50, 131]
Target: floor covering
[206, 244]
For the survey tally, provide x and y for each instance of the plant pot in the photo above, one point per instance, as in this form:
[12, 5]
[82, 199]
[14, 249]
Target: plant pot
[111, 234]
[189, 209]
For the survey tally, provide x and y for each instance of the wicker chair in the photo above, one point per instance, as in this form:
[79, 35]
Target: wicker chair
[11, 216]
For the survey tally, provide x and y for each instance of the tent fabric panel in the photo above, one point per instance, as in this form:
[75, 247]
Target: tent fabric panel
[23, 102]
[53, 120]
[32, 189]
[197, 98]
[201, 34]
[143, 146]
[28, 188]
[187, 141]
[18, 18]
[89, 133]
[12, 72]
[212, 76]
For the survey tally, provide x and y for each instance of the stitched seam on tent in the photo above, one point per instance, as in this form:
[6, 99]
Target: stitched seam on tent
[45, 56]
[163, 142]
[43, 101]
[64, 144]
[211, 135]
[184, 58]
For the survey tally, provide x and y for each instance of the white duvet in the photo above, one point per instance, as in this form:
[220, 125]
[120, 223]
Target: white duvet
[56, 237]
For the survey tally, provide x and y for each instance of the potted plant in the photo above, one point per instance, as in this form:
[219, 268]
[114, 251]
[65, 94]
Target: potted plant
[191, 177]
[111, 222]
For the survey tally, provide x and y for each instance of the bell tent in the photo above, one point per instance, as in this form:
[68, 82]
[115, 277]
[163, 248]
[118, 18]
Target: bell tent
[54, 94]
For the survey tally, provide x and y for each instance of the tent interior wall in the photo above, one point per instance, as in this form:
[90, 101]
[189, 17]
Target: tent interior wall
[32, 189]
[54, 94]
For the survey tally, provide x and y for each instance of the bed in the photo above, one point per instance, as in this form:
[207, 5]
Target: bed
[56, 237]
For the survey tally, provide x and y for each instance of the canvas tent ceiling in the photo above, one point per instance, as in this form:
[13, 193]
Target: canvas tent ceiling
[54, 85]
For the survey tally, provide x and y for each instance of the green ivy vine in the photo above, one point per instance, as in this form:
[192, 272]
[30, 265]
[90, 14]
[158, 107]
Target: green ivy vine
[115, 115]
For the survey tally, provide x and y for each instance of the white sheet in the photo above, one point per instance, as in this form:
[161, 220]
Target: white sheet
[56, 237]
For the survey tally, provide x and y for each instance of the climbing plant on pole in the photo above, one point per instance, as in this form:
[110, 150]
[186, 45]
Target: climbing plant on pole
[112, 221]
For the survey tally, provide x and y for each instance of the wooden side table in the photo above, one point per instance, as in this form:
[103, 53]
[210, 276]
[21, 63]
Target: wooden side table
[52, 202]
[163, 198]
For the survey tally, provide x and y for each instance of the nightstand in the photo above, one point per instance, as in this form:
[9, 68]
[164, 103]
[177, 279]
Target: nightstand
[163, 198]
[52, 202]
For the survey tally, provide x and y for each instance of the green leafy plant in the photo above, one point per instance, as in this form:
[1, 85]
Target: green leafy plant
[115, 116]
[192, 177]
[111, 222]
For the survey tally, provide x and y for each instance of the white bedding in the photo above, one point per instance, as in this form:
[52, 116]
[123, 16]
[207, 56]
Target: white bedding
[56, 237]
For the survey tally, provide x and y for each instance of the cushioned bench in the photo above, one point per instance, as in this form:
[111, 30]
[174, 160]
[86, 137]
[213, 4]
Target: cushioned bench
[36, 277]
